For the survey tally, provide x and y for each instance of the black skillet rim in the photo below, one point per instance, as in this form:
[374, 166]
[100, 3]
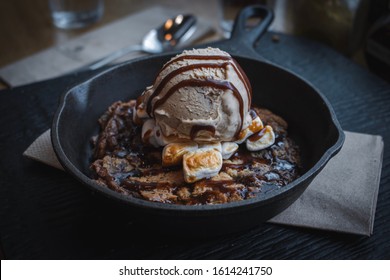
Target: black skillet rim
[269, 197]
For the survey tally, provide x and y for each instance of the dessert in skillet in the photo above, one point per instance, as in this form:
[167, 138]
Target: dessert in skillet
[194, 138]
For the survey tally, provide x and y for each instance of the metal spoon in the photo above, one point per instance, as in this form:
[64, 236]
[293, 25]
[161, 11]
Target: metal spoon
[168, 36]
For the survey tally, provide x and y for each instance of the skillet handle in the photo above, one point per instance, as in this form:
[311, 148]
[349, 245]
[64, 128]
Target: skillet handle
[243, 39]
[251, 35]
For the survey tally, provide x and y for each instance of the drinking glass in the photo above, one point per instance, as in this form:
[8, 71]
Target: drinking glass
[71, 14]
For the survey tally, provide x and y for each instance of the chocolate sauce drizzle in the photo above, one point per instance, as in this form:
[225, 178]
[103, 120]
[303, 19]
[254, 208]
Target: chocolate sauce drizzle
[244, 79]
[224, 85]
[124, 164]
[257, 135]
[195, 57]
[151, 107]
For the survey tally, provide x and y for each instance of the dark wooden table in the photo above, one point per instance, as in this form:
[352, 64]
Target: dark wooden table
[46, 214]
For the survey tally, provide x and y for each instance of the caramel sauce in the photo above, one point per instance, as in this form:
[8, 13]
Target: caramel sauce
[257, 135]
[241, 135]
[255, 127]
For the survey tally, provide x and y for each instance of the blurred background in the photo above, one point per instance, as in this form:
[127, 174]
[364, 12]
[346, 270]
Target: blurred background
[358, 29]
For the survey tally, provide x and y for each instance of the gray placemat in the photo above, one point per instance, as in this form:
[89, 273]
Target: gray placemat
[341, 198]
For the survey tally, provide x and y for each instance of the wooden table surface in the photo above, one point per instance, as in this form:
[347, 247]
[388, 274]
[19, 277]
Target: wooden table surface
[26, 26]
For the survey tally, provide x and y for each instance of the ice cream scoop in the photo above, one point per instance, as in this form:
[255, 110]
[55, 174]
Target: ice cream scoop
[200, 95]
[200, 98]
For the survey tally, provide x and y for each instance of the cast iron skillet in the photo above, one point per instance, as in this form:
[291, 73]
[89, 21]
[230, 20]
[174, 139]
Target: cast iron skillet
[312, 123]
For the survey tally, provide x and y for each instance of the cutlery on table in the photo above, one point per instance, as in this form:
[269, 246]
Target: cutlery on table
[170, 35]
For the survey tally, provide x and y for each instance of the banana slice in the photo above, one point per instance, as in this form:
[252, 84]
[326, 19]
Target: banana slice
[173, 153]
[228, 149]
[261, 140]
[202, 163]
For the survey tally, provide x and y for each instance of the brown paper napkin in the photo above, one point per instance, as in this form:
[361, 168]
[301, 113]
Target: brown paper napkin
[341, 198]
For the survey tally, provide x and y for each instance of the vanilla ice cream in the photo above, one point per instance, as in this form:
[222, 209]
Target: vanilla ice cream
[200, 97]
